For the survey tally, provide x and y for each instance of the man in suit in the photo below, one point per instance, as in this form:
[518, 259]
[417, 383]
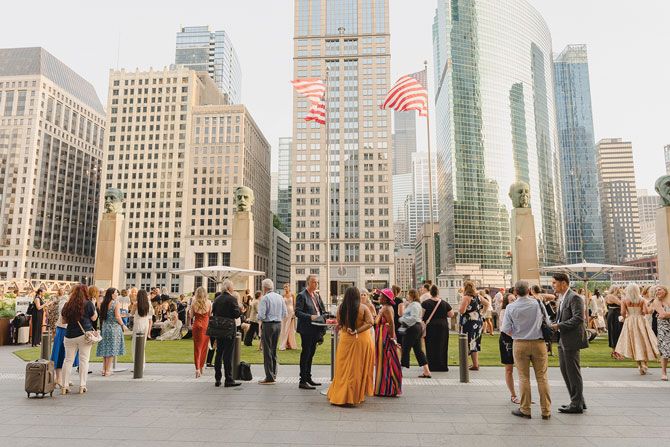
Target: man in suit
[308, 307]
[571, 326]
[225, 306]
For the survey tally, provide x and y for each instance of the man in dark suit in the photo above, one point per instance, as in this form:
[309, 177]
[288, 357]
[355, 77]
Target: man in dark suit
[571, 326]
[225, 306]
[308, 307]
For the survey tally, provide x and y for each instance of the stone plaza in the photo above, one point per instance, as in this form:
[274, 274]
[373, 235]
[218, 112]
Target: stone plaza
[169, 407]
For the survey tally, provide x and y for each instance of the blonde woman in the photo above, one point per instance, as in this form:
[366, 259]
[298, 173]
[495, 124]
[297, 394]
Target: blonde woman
[287, 334]
[637, 340]
[199, 316]
[662, 308]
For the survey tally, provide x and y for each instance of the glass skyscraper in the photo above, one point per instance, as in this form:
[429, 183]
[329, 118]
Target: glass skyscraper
[284, 185]
[574, 120]
[495, 126]
[201, 49]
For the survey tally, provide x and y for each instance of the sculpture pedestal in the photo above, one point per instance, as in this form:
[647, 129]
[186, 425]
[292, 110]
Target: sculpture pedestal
[663, 244]
[242, 247]
[524, 247]
[108, 252]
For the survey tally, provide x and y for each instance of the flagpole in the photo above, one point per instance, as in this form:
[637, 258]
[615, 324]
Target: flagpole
[431, 245]
[327, 99]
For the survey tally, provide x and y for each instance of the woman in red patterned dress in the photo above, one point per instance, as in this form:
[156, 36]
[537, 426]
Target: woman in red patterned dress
[388, 377]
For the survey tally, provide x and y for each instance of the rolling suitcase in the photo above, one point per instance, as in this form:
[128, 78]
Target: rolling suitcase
[40, 378]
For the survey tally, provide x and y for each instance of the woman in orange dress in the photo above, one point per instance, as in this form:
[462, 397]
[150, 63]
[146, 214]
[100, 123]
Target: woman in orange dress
[354, 370]
[199, 314]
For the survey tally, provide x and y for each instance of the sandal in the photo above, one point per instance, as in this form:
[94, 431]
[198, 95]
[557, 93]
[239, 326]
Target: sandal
[515, 400]
[664, 378]
[423, 376]
[472, 368]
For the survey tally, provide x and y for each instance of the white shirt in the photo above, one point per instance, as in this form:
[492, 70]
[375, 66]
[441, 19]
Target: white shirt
[424, 297]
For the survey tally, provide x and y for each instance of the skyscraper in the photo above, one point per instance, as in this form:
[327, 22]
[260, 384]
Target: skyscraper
[201, 49]
[52, 128]
[404, 141]
[495, 125]
[284, 185]
[618, 197]
[417, 204]
[581, 205]
[179, 151]
[351, 38]
[647, 206]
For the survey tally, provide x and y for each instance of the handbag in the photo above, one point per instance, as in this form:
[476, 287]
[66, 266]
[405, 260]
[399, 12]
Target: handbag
[547, 331]
[244, 372]
[90, 337]
[221, 327]
[424, 324]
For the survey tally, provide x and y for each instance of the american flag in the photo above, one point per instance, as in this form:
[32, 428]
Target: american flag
[408, 93]
[313, 89]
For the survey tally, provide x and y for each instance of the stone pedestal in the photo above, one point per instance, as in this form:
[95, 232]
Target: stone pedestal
[242, 247]
[109, 251]
[524, 247]
[663, 244]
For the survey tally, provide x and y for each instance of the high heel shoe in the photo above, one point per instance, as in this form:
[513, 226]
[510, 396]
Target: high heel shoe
[64, 391]
[198, 373]
[82, 390]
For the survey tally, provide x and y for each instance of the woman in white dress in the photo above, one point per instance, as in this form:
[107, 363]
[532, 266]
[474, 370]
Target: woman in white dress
[142, 322]
[287, 334]
[171, 329]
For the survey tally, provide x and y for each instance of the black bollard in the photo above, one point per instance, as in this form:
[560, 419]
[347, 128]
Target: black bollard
[333, 348]
[45, 351]
[463, 357]
[237, 350]
[138, 365]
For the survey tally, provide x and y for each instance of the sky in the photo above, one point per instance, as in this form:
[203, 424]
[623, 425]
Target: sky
[628, 50]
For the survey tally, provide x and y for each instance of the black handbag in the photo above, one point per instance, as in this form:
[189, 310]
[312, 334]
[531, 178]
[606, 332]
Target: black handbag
[547, 331]
[245, 372]
[221, 327]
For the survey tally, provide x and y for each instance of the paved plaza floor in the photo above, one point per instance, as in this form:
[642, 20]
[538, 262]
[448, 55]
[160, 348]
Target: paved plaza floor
[169, 407]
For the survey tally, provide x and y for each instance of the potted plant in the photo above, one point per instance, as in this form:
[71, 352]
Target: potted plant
[7, 312]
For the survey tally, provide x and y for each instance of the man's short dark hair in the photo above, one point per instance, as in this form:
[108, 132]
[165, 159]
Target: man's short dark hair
[561, 277]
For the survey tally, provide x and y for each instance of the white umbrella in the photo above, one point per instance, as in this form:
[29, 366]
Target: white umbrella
[218, 273]
[587, 271]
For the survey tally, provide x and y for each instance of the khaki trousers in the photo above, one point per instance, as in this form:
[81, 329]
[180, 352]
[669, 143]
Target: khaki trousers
[535, 352]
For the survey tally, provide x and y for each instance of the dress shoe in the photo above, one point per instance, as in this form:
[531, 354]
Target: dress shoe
[217, 383]
[568, 406]
[231, 384]
[521, 414]
[266, 382]
[570, 410]
[313, 383]
[306, 386]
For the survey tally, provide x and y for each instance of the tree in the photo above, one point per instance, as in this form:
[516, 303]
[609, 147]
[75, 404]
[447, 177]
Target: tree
[277, 223]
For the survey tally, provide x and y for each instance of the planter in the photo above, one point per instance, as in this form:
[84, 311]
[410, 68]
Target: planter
[4, 331]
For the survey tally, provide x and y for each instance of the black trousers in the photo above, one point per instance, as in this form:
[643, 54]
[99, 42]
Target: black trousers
[211, 352]
[224, 351]
[412, 341]
[251, 332]
[569, 362]
[307, 355]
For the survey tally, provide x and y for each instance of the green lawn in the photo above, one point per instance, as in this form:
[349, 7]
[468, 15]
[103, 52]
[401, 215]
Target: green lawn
[181, 351]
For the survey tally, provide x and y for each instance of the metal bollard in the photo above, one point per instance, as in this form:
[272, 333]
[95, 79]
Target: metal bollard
[138, 364]
[463, 357]
[45, 346]
[333, 351]
[237, 350]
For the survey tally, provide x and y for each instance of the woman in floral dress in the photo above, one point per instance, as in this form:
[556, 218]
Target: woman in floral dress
[112, 327]
[471, 321]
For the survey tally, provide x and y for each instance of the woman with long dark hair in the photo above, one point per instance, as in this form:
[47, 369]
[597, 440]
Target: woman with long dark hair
[37, 318]
[388, 377]
[143, 311]
[354, 367]
[78, 313]
[112, 327]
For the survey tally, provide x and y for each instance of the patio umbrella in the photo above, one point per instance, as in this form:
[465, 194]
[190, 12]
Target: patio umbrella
[587, 271]
[218, 273]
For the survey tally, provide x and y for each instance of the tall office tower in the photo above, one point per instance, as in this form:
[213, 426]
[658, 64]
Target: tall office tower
[666, 152]
[417, 204]
[404, 268]
[495, 125]
[51, 133]
[402, 187]
[279, 269]
[274, 191]
[178, 151]
[201, 49]
[351, 38]
[284, 185]
[618, 197]
[581, 206]
[647, 205]
[404, 141]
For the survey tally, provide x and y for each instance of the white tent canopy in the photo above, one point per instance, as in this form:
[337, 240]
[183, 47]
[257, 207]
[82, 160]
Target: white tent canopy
[587, 271]
[218, 273]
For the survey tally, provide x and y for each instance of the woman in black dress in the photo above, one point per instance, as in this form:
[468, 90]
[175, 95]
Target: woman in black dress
[436, 314]
[613, 301]
[37, 316]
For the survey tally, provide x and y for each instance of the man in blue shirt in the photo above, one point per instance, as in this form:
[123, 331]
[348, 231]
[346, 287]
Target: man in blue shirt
[271, 312]
[523, 322]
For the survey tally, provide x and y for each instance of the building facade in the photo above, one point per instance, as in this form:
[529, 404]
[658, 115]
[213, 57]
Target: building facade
[52, 127]
[404, 268]
[402, 187]
[279, 269]
[647, 273]
[178, 151]
[351, 38]
[574, 118]
[647, 205]
[423, 266]
[495, 125]
[404, 141]
[201, 49]
[284, 185]
[618, 196]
